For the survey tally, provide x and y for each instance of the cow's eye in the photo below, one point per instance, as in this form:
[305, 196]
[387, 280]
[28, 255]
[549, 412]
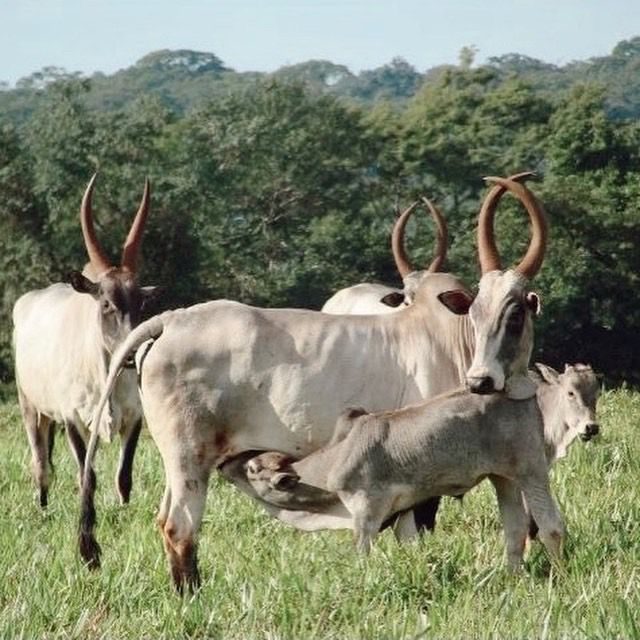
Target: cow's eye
[571, 394]
[107, 307]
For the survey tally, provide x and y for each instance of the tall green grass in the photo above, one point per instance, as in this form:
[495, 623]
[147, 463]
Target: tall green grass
[264, 580]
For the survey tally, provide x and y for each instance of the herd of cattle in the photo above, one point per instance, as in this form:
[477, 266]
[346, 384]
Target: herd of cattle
[272, 398]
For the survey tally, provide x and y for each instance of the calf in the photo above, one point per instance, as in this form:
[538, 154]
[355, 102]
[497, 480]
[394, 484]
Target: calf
[379, 464]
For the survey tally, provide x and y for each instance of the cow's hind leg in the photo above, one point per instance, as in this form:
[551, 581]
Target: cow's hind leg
[546, 515]
[181, 510]
[38, 428]
[79, 450]
[129, 442]
[514, 519]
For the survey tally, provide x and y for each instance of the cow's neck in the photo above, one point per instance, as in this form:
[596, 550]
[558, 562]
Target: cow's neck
[437, 356]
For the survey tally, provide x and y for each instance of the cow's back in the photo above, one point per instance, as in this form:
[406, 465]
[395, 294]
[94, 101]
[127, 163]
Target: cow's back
[268, 378]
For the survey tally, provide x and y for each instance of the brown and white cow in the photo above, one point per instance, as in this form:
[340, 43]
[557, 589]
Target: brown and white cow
[221, 378]
[63, 339]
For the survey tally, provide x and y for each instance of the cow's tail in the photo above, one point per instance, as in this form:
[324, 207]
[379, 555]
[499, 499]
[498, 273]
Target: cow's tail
[88, 545]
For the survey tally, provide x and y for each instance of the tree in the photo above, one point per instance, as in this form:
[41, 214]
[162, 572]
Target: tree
[23, 263]
[267, 167]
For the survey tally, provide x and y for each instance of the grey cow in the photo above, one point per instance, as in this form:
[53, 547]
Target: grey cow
[379, 464]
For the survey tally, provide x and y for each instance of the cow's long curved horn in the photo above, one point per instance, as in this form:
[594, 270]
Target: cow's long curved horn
[442, 236]
[132, 243]
[97, 256]
[487, 250]
[397, 241]
[532, 260]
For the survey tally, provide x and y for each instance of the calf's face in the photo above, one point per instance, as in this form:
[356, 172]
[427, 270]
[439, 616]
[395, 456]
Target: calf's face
[271, 471]
[577, 391]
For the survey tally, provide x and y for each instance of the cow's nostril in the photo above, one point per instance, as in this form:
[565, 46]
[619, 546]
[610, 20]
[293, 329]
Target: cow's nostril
[591, 429]
[482, 385]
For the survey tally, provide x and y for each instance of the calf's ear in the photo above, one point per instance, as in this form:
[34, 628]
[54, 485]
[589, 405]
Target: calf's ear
[548, 374]
[457, 301]
[394, 299]
[285, 481]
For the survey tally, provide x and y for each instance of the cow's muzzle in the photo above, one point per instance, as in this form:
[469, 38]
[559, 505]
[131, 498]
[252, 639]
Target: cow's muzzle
[591, 429]
[482, 385]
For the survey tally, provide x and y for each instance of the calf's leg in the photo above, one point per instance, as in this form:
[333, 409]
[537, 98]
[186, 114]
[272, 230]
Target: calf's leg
[368, 513]
[545, 513]
[514, 519]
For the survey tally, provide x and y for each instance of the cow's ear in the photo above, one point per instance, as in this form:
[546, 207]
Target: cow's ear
[82, 284]
[457, 301]
[150, 293]
[533, 302]
[394, 299]
[547, 373]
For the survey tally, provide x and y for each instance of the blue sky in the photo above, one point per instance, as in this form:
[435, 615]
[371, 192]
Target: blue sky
[262, 35]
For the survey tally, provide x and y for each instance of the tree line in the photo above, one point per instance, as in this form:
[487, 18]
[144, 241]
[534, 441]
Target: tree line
[184, 80]
[276, 194]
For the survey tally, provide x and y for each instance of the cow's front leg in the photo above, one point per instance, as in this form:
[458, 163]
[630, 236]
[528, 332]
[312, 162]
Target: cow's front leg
[38, 428]
[129, 442]
[514, 519]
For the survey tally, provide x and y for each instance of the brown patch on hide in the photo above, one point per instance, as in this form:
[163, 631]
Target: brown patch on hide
[221, 442]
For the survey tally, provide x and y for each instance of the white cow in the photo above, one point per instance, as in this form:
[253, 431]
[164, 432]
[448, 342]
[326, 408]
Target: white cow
[369, 298]
[63, 339]
[221, 378]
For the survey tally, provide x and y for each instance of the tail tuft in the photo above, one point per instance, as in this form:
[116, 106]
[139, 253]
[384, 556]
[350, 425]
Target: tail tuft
[87, 543]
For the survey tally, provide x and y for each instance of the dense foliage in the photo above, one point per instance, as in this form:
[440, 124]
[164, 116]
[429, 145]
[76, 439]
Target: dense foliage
[276, 191]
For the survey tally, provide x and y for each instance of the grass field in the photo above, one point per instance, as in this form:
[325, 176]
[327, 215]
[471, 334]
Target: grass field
[264, 580]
